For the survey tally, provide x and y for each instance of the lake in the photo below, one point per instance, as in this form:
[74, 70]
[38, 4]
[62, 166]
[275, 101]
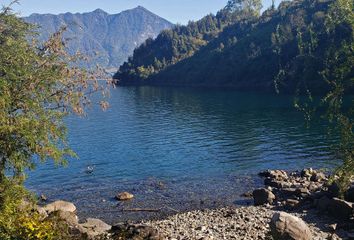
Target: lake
[177, 149]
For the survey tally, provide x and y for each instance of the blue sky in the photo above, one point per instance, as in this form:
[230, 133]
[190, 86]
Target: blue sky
[176, 11]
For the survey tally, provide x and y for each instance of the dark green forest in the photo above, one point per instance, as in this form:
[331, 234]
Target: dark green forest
[283, 49]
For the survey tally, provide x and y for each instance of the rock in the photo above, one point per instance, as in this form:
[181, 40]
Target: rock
[124, 196]
[332, 227]
[292, 203]
[323, 203]
[340, 208]
[302, 192]
[307, 173]
[69, 217]
[60, 206]
[247, 195]
[349, 194]
[274, 174]
[93, 228]
[334, 189]
[318, 195]
[287, 227]
[127, 231]
[43, 198]
[318, 177]
[201, 228]
[41, 211]
[263, 196]
[275, 183]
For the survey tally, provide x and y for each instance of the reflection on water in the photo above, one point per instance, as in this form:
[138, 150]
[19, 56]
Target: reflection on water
[180, 149]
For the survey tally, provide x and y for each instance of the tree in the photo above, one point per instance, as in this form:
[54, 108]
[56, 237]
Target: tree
[39, 86]
[334, 64]
[339, 73]
[250, 7]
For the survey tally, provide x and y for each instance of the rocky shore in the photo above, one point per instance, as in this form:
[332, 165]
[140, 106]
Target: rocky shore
[292, 205]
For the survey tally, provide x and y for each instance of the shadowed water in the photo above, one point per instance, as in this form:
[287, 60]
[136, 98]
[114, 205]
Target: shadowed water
[179, 149]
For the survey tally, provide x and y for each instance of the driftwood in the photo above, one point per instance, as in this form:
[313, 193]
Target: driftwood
[141, 210]
[148, 209]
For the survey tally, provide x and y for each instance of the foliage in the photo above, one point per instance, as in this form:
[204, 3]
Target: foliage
[338, 72]
[328, 41]
[252, 53]
[251, 7]
[38, 87]
[174, 45]
[19, 220]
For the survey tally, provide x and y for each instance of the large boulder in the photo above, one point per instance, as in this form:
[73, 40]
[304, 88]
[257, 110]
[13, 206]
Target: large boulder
[263, 196]
[93, 228]
[340, 208]
[60, 206]
[288, 227]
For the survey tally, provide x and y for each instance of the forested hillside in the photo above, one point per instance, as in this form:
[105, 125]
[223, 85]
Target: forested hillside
[283, 49]
[174, 45]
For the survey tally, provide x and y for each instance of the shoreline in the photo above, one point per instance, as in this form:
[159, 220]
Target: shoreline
[306, 196]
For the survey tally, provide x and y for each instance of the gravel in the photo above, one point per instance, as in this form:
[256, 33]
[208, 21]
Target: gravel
[229, 223]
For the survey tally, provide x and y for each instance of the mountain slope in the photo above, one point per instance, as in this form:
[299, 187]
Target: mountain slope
[252, 54]
[173, 45]
[107, 39]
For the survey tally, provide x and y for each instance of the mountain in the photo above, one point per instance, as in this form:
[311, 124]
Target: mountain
[287, 47]
[107, 39]
[172, 46]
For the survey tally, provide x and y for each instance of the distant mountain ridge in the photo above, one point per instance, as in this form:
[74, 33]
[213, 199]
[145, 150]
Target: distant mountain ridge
[108, 39]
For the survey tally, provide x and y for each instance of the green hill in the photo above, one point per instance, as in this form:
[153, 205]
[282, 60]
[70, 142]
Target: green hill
[284, 47]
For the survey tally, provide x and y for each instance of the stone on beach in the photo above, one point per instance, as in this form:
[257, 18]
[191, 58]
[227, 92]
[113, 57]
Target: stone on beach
[124, 196]
[285, 226]
[135, 231]
[263, 196]
[69, 217]
[60, 206]
[340, 208]
[93, 228]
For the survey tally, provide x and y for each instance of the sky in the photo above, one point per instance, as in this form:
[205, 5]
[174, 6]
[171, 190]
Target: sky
[176, 11]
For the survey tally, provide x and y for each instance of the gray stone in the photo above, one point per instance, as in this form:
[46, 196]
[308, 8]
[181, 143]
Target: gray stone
[263, 196]
[93, 228]
[127, 231]
[349, 194]
[340, 208]
[292, 203]
[288, 227]
[276, 183]
[307, 173]
[124, 196]
[302, 192]
[318, 177]
[60, 206]
[334, 189]
[43, 198]
[323, 203]
[274, 174]
[69, 217]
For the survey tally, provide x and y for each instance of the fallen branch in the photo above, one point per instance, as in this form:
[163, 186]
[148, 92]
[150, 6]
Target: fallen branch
[141, 210]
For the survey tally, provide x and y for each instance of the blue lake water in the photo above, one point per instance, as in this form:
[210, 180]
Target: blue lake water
[179, 149]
